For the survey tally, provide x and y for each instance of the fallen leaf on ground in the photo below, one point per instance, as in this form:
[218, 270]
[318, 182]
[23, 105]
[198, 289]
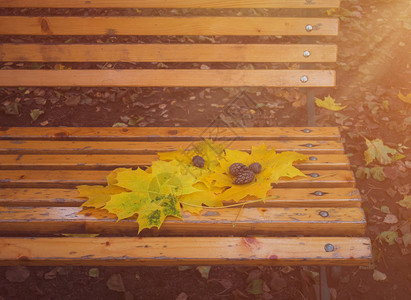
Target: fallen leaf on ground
[182, 296]
[204, 271]
[17, 274]
[94, 273]
[406, 238]
[225, 283]
[380, 152]
[329, 103]
[388, 236]
[406, 202]
[377, 173]
[390, 219]
[385, 209]
[255, 287]
[51, 274]
[379, 276]
[406, 99]
[115, 283]
[36, 113]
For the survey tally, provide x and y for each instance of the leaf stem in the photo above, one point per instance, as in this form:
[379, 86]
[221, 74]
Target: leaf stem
[231, 205]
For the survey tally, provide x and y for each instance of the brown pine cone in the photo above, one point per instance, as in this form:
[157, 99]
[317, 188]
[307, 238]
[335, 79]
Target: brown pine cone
[237, 168]
[255, 167]
[244, 178]
[198, 161]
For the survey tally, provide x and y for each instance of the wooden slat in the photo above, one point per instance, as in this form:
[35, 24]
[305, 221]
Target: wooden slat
[109, 162]
[168, 133]
[185, 250]
[334, 197]
[169, 78]
[97, 147]
[172, 3]
[232, 26]
[167, 53]
[260, 221]
[70, 178]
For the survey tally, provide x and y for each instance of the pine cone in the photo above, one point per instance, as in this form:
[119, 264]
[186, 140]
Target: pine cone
[244, 178]
[255, 167]
[198, 161]
[237, 168]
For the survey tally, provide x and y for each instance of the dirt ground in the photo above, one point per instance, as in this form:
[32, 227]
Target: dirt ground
[373, 68]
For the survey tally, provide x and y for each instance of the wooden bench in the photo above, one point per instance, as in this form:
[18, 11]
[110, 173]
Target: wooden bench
[314, 220]
[40, 169]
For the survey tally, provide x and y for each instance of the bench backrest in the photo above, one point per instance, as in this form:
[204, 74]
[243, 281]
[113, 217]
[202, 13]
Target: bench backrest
[71, 23]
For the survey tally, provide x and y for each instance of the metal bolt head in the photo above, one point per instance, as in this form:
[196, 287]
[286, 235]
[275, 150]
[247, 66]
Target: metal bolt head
[313, 158]
[318, 193]
[329, 247]
[304, 79]
[323, 213]
[306, 130]
[309, 145]
[315, 175]
[308, 28]
[307, 53]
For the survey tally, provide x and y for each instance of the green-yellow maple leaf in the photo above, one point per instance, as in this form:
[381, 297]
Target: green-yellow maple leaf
[380, 152]
[153, 196]
[329, 103]
[274, 166]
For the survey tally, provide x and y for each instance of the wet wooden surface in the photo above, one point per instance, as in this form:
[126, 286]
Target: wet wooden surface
[172, 3]
[185, 250]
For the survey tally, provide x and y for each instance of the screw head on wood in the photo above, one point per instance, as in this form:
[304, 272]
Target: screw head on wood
[318, 193]
[313, 158]
[329, 247]
[323, 213]
[306, 130]
[309, 145]
[304, 79]
[307, 53]
[308, 28]
[315, 175]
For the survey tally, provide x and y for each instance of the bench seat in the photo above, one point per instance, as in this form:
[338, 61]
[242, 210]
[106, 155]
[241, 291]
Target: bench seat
[316, 219]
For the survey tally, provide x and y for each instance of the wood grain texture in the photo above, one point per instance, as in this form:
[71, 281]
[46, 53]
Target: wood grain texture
[72, 178]
[232, 26]
[170, 133]
[107, 147]
[167, 53]
[169, 78]
[185, 250]
[330, 197]
[110, 162]
[171, 3]
[248, 221]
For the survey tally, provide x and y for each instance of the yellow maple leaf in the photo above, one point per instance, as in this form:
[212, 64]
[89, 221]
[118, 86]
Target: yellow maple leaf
[376, 150]
[406, 99]
[329, 103]
[274, 166]
[193, 202]
[97, 195]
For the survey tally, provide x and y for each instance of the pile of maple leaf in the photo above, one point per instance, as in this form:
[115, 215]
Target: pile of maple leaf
[173, 181]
